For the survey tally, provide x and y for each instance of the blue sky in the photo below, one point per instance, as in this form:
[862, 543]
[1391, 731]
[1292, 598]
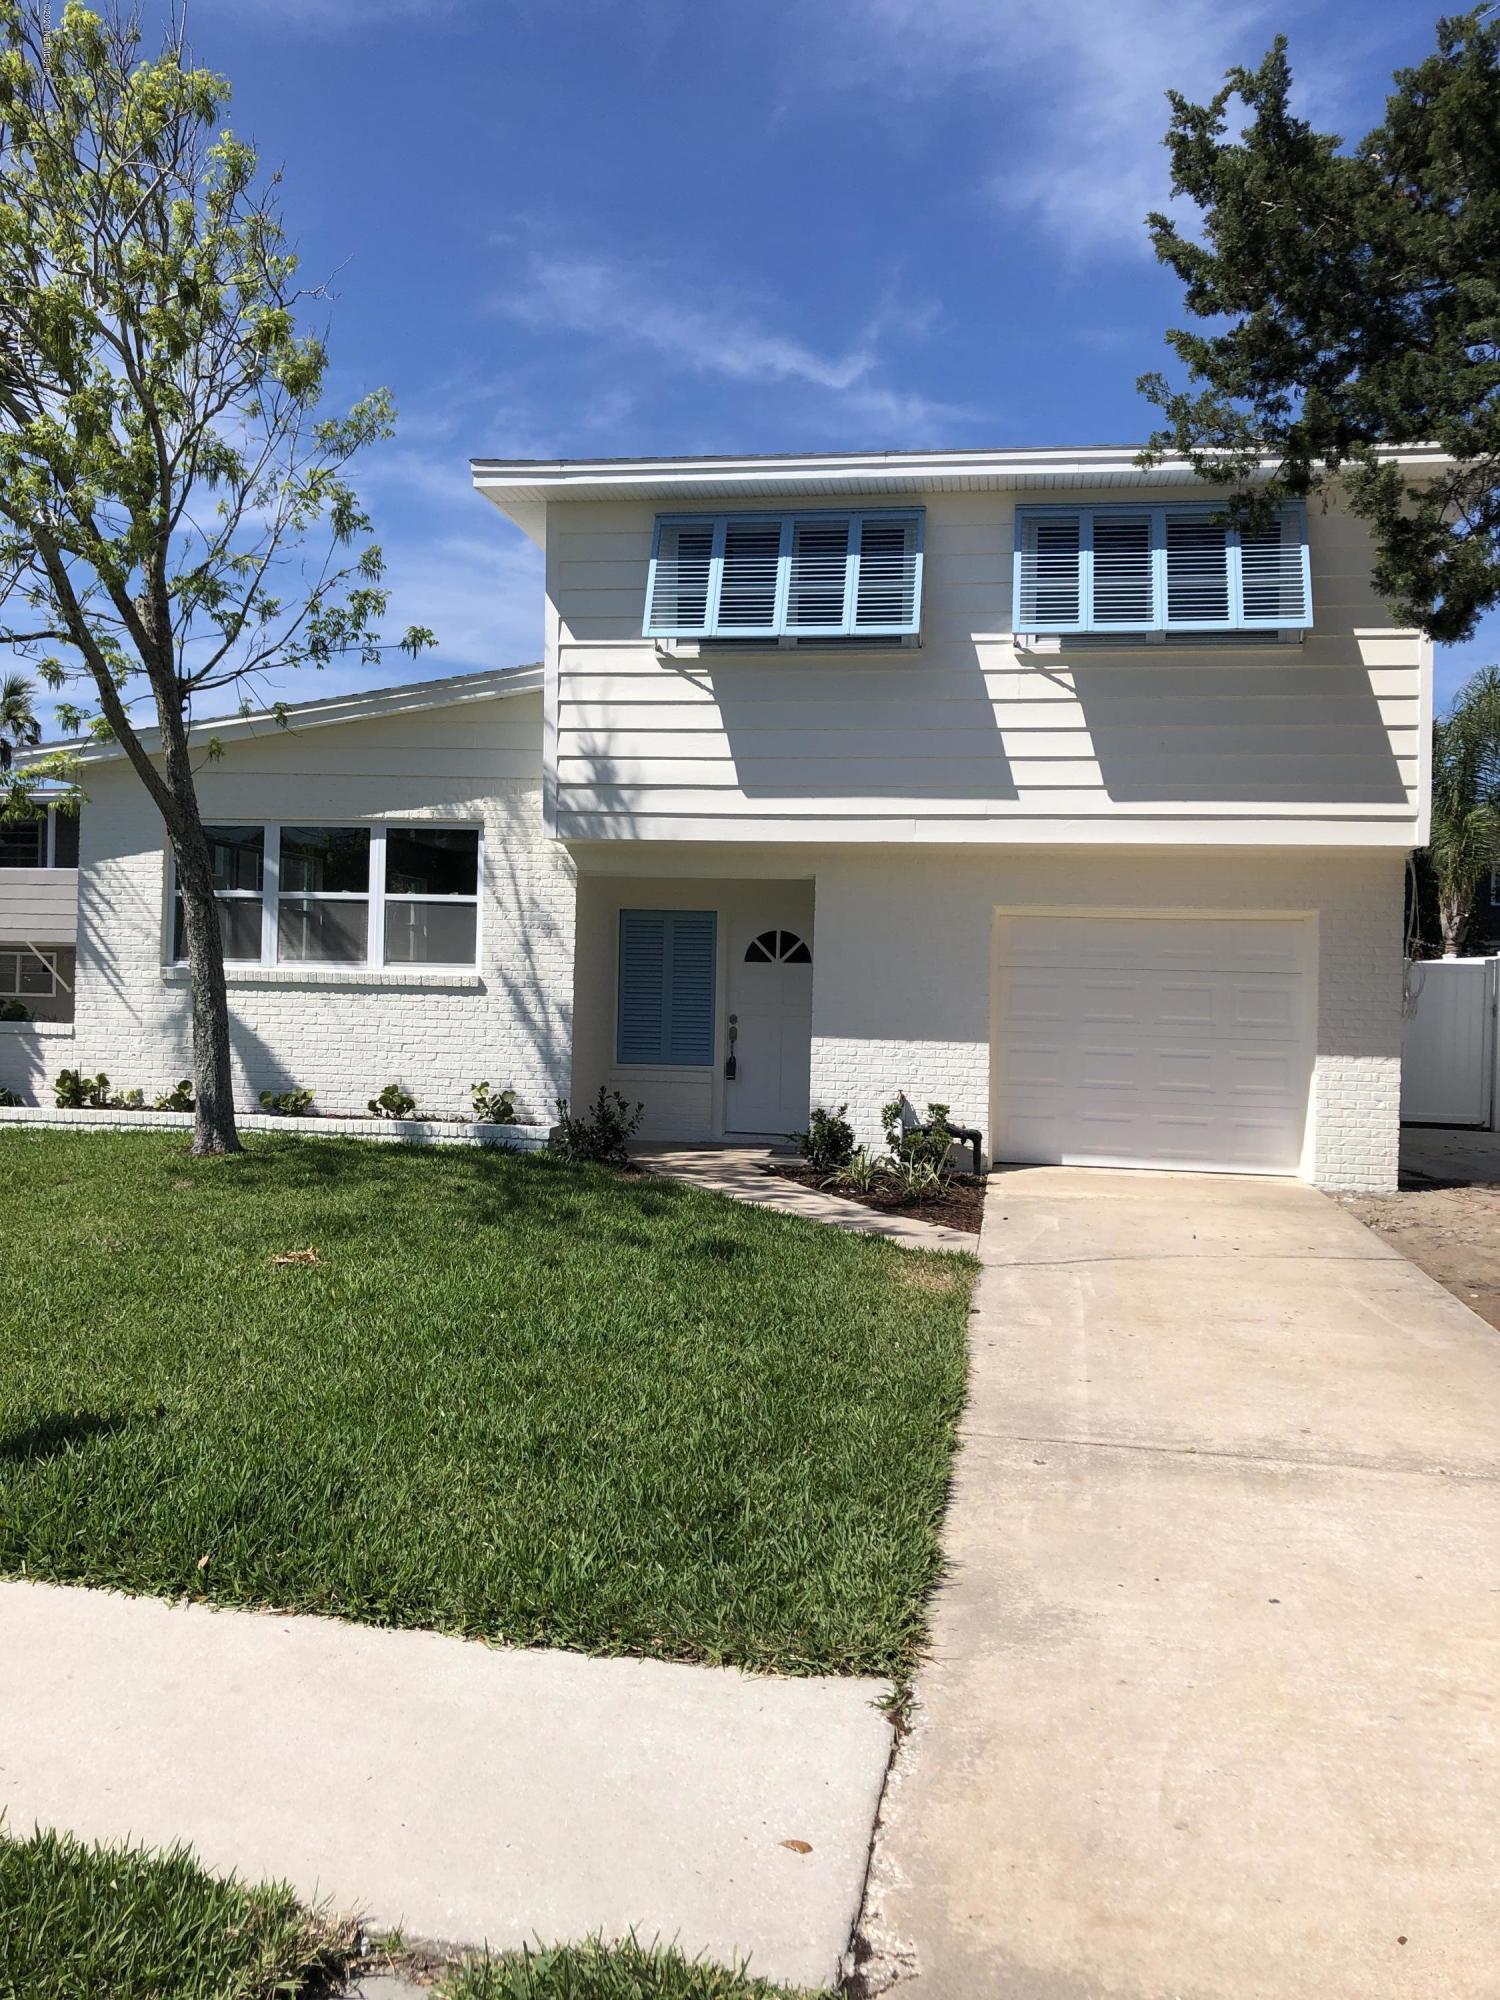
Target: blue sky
[579, 227]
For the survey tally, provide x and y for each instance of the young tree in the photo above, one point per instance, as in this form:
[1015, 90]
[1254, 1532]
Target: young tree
[1465, 842]
[174, 514]
[1353, 303]
[19, 728]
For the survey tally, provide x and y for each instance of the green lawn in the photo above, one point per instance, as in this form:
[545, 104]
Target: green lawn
[86, 1922]
[102, 1923]
[551, 1405]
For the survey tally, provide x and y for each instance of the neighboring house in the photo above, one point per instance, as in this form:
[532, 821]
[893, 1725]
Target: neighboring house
[1016, 780]
[1487, 916]
[39, 914]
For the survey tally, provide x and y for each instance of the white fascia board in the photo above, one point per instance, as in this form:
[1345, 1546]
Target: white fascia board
[522, 488]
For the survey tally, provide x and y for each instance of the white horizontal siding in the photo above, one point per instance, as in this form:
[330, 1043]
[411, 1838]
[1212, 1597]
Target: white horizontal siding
[38, 905]
[966, 736]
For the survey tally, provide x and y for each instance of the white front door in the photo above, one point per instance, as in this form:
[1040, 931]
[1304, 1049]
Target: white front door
[770, 1005]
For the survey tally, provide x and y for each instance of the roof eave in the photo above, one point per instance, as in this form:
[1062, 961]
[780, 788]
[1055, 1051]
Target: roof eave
[406, 698]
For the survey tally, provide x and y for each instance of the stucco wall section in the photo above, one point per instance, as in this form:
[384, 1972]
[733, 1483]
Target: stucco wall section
[342, 1034]
[902, 991]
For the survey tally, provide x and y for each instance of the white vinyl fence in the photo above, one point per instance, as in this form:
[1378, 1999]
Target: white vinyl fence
[1448, 1053]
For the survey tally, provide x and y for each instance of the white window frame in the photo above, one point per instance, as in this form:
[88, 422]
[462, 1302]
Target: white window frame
[374, 959]
[20, 954]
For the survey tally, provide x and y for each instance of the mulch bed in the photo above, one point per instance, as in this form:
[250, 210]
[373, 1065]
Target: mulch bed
[960, 1205]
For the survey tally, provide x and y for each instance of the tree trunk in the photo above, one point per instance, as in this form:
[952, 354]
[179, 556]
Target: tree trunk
[1453, 915]
[213, 1084]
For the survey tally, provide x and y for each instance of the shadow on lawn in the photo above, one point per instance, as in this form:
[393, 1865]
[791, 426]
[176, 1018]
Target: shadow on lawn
[49, 1436]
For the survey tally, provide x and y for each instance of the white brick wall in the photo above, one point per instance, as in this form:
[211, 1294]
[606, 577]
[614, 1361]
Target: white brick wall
[902, 992]
[343, 1035]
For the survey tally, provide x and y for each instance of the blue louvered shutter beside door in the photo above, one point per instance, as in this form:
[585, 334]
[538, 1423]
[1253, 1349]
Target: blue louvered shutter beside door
[666, 987]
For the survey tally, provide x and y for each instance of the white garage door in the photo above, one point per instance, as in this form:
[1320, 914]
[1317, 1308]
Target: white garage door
[1153, 1042]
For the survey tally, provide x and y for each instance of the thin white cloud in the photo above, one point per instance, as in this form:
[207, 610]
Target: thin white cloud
[1078, 86]
[327, 17]
[645, 306]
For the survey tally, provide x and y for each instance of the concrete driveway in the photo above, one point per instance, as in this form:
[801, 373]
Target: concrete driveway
[1214, 1707]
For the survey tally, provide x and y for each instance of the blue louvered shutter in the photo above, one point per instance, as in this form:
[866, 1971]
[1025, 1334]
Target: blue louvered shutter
[749, 588]
[888, 586]
[1273, 572]
[1049, 593]
[1122, 594]
[643, 964]
[818, 583]
[680, 593]
[1198, 593]
[666, 987]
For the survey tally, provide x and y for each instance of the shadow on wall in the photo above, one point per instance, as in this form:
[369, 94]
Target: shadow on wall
[1258, 734]
[811, 724]
[24, 1060]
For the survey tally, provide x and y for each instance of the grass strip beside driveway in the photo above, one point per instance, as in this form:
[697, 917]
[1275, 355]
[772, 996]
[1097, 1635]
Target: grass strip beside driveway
[79, 1921]
[503, 1396]
[94, 1922]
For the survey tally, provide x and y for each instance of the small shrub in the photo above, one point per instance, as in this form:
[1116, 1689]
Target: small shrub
[493, 1107]
[178, 1098]
[287, 1103]
[14, 1010]
[914, 1177]
[861, 1173]
[931, 1147]
[600, 1134]
[128, 1100]
[393, 1102]
[828, 1143]
[9, 1100]
[73, 1091]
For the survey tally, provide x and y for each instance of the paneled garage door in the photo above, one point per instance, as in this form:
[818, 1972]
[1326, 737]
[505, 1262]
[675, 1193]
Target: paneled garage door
[1153, 1041]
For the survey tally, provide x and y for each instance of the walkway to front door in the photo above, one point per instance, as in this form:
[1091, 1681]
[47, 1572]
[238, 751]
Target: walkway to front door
[770, 1018]
[1210, 1707]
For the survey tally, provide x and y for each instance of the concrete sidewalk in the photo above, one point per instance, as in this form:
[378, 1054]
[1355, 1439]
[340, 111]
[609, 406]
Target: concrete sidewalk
[1212, 1706]
[471, 1793]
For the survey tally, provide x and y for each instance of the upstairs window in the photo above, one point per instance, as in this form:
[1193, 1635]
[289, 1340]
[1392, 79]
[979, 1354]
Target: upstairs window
[817, 575]
[1159, 569]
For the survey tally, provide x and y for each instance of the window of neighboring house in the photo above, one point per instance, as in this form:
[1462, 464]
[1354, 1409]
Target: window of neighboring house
[822, 575]
[1159, 569]
[367, 895]
[665, 1009]
[23, 843]
[27, 975]
[65, 840]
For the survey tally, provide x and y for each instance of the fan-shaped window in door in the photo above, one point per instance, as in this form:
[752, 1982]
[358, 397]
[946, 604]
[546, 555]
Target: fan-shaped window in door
[777, 948]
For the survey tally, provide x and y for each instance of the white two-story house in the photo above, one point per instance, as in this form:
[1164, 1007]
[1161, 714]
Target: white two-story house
[1019, 780]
